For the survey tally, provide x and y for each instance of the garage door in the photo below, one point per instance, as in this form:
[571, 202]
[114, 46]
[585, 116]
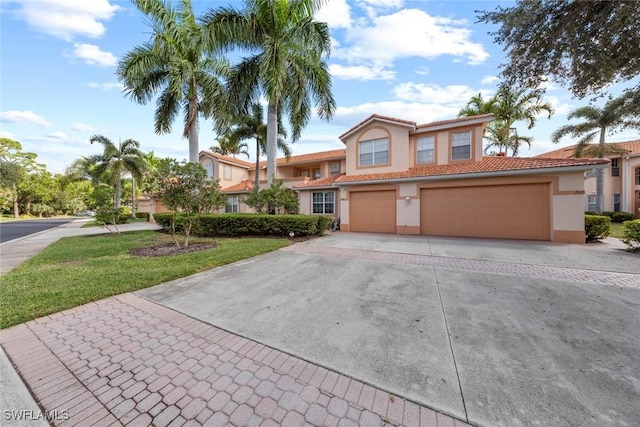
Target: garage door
[373, 211]
[503, 211]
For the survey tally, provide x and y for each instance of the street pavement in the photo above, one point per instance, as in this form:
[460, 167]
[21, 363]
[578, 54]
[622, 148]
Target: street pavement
[355, 329]
[11, 230]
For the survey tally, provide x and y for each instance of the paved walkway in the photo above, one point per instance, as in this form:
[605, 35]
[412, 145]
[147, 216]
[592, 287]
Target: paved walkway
[128, 361]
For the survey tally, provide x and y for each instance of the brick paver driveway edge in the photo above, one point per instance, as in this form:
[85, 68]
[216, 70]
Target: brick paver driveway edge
[129, 361]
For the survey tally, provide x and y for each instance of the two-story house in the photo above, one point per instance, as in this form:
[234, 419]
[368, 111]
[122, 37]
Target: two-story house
[621, 179]
[405, 178]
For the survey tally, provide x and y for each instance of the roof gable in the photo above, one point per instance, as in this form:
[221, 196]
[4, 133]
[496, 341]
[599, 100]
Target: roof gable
[377, 118]
[226, 159]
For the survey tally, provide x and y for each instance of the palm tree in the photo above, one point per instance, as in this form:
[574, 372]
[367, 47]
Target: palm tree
[615, 115]
[116, 160]
[230, 146]
[285, 63]
[508, 106]
[252, 126]
[179, 65]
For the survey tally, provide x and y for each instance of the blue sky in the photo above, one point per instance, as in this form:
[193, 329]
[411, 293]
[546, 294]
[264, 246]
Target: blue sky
[414, 60]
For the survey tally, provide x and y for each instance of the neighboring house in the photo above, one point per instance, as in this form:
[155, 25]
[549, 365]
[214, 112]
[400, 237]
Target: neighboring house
[621, 179]
[405, 178]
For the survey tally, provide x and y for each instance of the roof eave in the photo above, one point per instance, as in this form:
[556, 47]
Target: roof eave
[461, 123]
[536, 171]
[353, 130]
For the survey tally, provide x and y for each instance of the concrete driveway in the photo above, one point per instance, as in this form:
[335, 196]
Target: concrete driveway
[494, 332]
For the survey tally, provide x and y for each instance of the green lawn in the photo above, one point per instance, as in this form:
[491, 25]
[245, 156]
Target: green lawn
[78, 270]
[616, 230]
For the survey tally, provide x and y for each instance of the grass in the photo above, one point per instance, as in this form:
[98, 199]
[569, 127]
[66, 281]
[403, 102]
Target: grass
[616, 230]
[78, 270]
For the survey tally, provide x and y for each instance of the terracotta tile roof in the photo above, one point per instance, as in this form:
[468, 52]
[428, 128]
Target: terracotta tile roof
[243, 186]
[456, 121]
[632, 147]
[310, 157]
[228, 159]
[378, 117]
[322, 182]
[487, 165]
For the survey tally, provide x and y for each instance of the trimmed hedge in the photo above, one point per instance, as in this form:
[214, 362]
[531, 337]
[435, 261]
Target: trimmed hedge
[618, 216]
[631, 234]
[144, 215]
[596, 227]
[211, 225]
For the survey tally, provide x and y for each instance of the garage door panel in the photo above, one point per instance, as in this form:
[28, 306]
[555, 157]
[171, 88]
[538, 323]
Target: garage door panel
[373, 211]
[519, 211]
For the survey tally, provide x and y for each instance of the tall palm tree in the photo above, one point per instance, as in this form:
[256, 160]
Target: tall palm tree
[177, 63]
[252, 126]
[508, 106]
[118, 159]
[286, 63]
[615, 115]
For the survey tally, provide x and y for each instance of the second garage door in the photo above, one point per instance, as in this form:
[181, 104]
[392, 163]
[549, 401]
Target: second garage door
[373, 211]
[519, 211]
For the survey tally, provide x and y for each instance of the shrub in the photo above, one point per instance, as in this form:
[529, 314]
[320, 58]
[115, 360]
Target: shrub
[608, 213]
[621, 217]
[111, 216]
[590, 213]
[276, 199]
[631, 234]
[144, 215]
[211, 225]
[596, 227]
[323, 224]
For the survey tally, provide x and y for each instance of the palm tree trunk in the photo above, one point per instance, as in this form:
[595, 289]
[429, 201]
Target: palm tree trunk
[256, 183]
[272, 142]
[118, 192]
[600, 176]
[193, 131]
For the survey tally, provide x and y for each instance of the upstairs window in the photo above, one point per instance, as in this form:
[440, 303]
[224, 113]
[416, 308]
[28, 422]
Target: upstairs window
[461, 145]
[637, 176]
[316, 173]
[615, 169]
[335, 168]
[425, 149]
[304, 173]
[208, 166]
[374, 152]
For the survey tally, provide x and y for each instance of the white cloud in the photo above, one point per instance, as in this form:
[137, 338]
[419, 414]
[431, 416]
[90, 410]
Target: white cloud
[423, 71]
[24, 118]
[361, 72]
[454, 95]
[82, 127]
[106, 86]
[487, 80]
[409, 33]
[561, 108]
[57, 136]
[67, 19]
[418, 112]
[7, 134]
[92, 55]
[336, 13]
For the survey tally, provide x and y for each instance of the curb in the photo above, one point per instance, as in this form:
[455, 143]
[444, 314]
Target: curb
[20, 239]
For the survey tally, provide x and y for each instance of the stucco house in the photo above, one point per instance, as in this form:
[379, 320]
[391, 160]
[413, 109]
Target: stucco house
[397, 176]
[408, 178]
[621, 179]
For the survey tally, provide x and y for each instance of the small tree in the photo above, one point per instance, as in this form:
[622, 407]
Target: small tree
[107, 214]
[185, 187]
[276, 199]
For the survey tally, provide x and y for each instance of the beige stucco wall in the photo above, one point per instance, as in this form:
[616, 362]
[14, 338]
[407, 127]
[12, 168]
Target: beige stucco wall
[304, 198]
[398, 149]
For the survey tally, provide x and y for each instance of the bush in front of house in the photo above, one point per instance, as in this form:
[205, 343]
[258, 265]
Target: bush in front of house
[621, 217]
[631, 234]
[211, 225]
[596, 227]
[144, 215]
[112, 216]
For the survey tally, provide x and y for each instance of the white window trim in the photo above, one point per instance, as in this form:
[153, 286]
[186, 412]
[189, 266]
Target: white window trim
[324, 202]
[426, 139]
[373, 152]
[455, 144]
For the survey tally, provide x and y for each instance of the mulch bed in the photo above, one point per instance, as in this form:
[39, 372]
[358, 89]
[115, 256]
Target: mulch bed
[171, 249]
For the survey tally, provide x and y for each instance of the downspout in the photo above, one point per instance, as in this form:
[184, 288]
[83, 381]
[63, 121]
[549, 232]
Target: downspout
[625, 202]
